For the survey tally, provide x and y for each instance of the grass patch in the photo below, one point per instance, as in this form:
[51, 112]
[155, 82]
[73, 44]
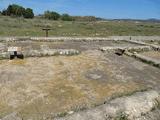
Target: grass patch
[33, 27]
[122, 116]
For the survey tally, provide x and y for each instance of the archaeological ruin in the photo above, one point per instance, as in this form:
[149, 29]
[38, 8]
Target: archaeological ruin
[68, 78]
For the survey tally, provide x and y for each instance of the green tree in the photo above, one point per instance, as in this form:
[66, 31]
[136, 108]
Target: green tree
[9, 10]
[4, 12]
[15, 10]
[28, 13]
[18, 11]
[51, 15]
[66, 17]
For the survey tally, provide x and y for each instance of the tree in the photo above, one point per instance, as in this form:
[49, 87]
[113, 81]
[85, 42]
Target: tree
[66, 17]
[51, 15]
[18, 11]
[9, 10]
[14, 10]
[4, 12]
[28, 13]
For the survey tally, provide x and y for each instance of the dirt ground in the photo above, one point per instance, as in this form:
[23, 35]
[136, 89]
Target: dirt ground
[38, 87]
[152, 54]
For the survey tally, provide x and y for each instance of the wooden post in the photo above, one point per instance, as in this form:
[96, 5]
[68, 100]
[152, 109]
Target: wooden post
[46, 29]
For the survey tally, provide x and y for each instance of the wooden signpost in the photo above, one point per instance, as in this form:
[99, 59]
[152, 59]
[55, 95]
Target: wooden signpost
[46, 30]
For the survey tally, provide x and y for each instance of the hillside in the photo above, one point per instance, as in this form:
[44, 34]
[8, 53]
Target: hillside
[33, 27]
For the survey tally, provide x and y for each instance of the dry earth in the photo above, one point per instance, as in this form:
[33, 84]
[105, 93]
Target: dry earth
[152, 54]
[41, 88]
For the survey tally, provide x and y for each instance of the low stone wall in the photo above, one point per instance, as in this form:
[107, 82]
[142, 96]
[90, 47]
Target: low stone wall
[42, 53]
[155, 47]
[145, 59]
[12, 39]
[51, 52]
[130, 49]
[101, 38]
[127, 108]
[2, 47]
[4, 55]
[138, 38]
[133, 52]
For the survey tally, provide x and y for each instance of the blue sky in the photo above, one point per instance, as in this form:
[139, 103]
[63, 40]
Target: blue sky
[136, 9]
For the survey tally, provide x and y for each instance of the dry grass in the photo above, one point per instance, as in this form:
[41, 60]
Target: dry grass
[33, 27]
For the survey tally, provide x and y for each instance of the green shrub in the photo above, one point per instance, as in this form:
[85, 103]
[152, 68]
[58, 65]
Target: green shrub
[51, 15]
[28, 13]
[66, 17]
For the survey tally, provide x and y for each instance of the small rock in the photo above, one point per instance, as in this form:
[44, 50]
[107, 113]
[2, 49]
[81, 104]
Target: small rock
[70, 112]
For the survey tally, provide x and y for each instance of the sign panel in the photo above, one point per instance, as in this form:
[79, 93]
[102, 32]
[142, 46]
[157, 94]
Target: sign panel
[12, 49]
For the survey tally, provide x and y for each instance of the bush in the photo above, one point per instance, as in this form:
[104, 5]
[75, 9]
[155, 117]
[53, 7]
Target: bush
[66, 17]
[28, 13]
[51, 15]
[86, 18]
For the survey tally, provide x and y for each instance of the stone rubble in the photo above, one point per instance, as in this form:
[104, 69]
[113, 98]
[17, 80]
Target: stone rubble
[129, 107]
